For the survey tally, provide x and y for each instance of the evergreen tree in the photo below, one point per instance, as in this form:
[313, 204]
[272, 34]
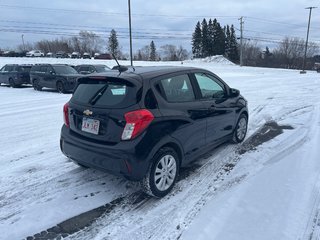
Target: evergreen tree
[139, 55]
[211, 34]
[234, 49]
[197, 41]
[113, 44]
[219, 39]
[152, 56]
[228, 41]
[205, 39]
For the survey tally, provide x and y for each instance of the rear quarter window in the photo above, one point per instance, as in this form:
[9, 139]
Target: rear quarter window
[105, 93]
[24, 68]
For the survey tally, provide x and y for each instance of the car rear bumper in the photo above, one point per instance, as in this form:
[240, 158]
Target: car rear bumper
[120, 159]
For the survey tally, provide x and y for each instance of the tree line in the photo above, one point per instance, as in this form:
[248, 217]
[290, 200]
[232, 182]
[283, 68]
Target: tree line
[210, 38]
[90, 42]
[288, 53]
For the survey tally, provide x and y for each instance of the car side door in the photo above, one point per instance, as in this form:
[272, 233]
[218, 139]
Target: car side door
[182, 112]
[42, 76]
[221, 111]
[51, 77]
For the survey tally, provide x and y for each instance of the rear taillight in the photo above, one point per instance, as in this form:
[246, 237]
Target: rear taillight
[136, 123]
[66, 114]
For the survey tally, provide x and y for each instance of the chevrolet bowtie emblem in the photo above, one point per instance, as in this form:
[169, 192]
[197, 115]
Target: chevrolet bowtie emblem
[87, 112]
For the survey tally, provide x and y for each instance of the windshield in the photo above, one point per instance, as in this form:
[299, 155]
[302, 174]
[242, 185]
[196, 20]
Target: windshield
[64, 70]
[102, 68]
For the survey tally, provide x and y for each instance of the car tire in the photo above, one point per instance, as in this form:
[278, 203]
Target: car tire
[162, 173]
[60, 87]
[12, 83]
[240, 130]
[36, 85]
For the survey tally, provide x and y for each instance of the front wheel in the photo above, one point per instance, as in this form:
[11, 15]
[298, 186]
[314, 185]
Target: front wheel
[240, 131]
[60, 87]
[12, 83]
[36, 85]
[162, 173]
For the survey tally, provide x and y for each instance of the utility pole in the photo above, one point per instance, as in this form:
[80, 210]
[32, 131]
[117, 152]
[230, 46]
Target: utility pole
[306, 47]
[24, 47]
[241, 41]
[129, 5]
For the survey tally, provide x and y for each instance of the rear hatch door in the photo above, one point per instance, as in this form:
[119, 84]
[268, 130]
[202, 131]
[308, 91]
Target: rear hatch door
[98, 105]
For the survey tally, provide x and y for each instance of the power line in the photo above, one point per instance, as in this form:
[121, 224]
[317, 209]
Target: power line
[110, 13]
[300, 27]
[272, 21]
[93, 27]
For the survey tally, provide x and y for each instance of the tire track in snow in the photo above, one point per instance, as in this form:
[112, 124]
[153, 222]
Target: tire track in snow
[143, 217]
[312, 230]
[208, 181]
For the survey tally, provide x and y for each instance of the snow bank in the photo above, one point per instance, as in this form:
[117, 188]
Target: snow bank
[212, 59]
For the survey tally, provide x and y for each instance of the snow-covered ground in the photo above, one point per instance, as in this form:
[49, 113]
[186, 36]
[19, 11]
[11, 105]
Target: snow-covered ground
[269, 192]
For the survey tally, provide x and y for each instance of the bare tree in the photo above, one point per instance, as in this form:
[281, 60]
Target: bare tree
[251, 53]
[26, 47]
[182, 53]
[169, 52]
[290, 52]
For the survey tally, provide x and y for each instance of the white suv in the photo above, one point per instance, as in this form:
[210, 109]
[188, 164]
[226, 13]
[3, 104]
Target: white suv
[35, 53]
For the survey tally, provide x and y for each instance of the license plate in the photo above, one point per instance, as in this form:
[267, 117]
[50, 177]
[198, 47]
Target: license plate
[90, 125]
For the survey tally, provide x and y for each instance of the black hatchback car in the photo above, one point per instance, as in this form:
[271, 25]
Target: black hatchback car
[146, 124]
[15, 75]
[58, 76]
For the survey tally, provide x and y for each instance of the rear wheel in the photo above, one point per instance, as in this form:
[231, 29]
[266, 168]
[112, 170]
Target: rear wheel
[162, 173]
[240, 131]
[36, 85]
[12, 83]
[60, 87]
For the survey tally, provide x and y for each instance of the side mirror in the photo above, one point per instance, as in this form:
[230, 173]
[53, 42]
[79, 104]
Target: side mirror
[234, 93]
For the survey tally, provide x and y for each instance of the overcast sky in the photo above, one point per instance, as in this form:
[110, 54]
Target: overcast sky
[165, 21]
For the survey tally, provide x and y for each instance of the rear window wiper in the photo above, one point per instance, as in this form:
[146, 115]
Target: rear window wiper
[98, 94]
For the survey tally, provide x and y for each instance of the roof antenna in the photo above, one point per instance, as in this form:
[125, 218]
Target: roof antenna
[119, 67]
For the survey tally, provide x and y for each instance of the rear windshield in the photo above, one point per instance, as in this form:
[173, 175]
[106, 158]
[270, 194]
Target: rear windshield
[112, 93]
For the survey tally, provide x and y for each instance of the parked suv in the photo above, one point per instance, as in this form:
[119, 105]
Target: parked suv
[96, 68]
[148, 123]
[15, 75]
[58, 76]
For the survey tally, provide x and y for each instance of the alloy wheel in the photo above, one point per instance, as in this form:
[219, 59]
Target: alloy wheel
[165, 172]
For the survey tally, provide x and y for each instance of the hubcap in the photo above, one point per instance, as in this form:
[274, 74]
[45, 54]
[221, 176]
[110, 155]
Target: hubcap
[165, 172]
[242, 128]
